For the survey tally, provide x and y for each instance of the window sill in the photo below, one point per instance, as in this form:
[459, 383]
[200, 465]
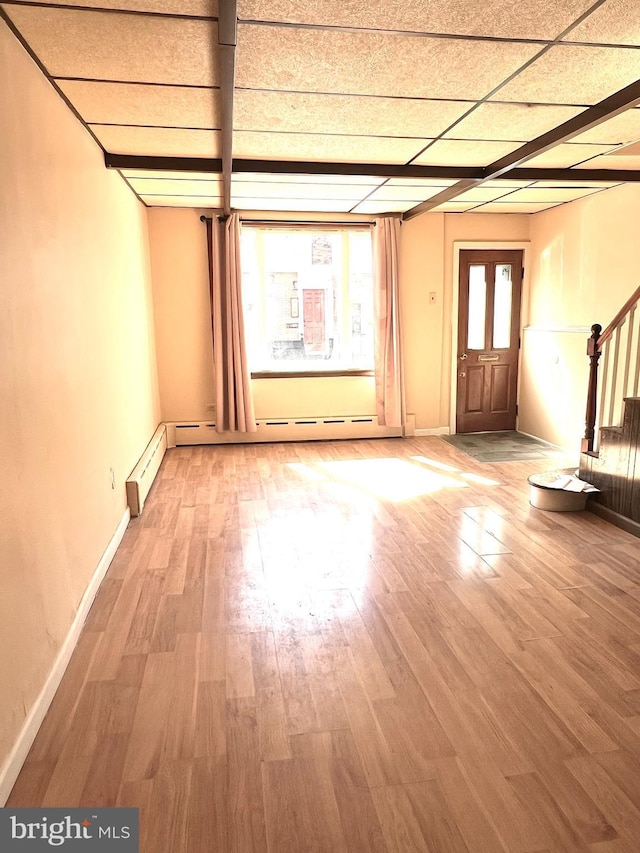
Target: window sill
[307, 374]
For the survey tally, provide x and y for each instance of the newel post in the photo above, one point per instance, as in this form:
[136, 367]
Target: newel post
[592, 395]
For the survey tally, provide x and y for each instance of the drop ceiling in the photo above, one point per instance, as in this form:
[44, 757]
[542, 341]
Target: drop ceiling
[346, 106]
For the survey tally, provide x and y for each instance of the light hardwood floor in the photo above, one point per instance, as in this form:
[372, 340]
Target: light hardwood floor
[359, 646]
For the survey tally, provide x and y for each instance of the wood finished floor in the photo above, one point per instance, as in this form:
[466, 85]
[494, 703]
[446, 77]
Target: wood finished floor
[359, 646]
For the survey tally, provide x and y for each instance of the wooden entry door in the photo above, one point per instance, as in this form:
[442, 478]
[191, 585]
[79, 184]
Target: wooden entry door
[488, 339]
[313, 320]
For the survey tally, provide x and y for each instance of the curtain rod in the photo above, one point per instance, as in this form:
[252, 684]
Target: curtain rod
[287, 223]
[292, 223]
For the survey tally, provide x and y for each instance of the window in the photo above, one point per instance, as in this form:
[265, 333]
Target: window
[308, 298]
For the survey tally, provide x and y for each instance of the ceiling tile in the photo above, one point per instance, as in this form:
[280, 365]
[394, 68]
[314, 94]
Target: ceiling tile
[130, 103]
[204, 8]
[158, 141]
[273, 189]
[181, 201]
[264, 177]
[525, 19]
[455, 207]
[577, 184]
[550, 194]
[452, 152]
[369, 116]
[506, 183]
[373, 63]
[573, 74]
[612, 161]
[615, 22]
[156, 186]
[348, 149]
[293, 204]
[422, 182]
[511, 121]
[391, 192]
[522, 207]
[565, 154]
[484, 193]
[156, 174]
[112, 46]
[384, 206]
[621, 129]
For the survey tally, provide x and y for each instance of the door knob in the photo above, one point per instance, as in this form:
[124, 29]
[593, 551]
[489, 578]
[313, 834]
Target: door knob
[462, 375]
[463, 356]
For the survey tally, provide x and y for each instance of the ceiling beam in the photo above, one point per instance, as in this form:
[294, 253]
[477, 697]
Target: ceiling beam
[374, 170]
[227, 42]
[606, 109]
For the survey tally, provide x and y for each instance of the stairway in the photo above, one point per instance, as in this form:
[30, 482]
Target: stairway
[615, 468]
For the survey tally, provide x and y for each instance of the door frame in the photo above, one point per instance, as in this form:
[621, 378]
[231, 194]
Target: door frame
[486, 245]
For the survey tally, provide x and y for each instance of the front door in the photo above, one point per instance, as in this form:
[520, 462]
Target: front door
[488, 339]
[313, 320]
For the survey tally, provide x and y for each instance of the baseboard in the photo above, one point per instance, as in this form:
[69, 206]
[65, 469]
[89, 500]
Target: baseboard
[613, 517]
[443, 430]
[16, 758]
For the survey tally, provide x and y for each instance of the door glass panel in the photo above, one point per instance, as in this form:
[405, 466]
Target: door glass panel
[477, 306]
[502, 307]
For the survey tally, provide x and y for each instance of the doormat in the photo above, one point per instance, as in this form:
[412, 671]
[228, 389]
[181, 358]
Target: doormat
[507, 446]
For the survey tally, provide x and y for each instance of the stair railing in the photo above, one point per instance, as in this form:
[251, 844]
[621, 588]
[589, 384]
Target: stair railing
[619, 346]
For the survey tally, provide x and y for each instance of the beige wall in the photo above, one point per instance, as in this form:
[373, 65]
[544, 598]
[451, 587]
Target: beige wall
[584, 267]
[78, 390]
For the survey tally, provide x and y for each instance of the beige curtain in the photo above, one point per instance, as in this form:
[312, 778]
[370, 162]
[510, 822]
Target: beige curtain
[390, 401]
[234, 403]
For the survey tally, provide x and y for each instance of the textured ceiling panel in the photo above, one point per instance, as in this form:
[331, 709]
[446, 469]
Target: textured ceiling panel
[129, 103]
[190, 176]
[375, 64]
[484, 193]
[383, 206]
[181, 201]
[565, 154]
[151, 186]
[158, 141]
[347, 149]
[622, 128]
[293, 204]
[111, 46]
[421, 182]
[251, 189]
[390, 192]
[260, 177]
[511, 121]
[571, 74]
[205, 8]
[313, 113]
[505, 207]
[616, 22]
[612, 161]
[524, 19]
[576, 184]
[465, 153]
[455, 207]
[549, 194]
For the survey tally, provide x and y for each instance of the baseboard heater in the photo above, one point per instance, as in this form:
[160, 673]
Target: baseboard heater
[285, 429]
[143, 475]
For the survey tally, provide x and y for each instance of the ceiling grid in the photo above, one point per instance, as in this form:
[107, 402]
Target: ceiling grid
[454, 106]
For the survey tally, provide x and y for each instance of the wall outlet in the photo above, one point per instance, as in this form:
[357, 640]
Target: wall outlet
[113, 478]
